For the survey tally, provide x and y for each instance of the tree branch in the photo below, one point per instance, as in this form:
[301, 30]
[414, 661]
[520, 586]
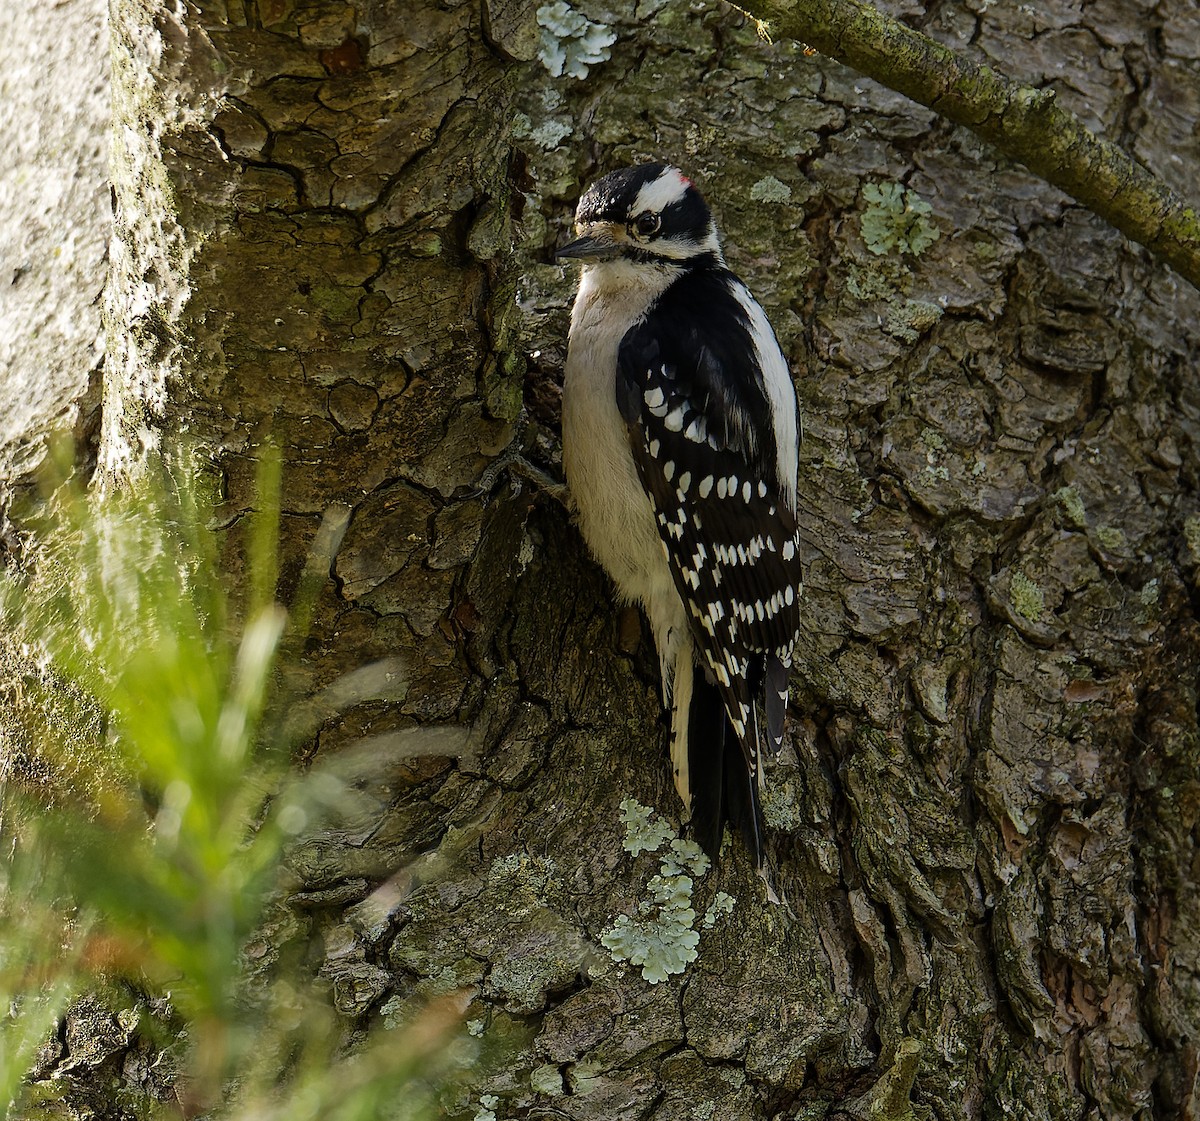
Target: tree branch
[1024, 124]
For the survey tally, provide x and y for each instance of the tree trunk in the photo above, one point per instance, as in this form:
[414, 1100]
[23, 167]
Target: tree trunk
[333, 230]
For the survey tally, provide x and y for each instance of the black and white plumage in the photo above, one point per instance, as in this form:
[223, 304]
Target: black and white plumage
[680, 432]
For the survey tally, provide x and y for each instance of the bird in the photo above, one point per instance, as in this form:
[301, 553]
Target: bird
[681, 433]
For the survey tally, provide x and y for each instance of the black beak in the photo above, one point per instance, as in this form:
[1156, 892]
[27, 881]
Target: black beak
[590, 246]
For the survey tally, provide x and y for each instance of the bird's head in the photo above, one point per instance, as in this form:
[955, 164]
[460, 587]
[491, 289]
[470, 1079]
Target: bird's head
[650, 214]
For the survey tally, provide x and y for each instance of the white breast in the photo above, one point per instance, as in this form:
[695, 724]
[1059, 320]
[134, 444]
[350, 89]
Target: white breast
[615, 516]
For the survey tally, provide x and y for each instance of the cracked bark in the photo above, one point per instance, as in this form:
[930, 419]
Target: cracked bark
[1022, 123]
[333, 229]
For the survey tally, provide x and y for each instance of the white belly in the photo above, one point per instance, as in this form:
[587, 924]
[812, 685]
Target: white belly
[615, 516]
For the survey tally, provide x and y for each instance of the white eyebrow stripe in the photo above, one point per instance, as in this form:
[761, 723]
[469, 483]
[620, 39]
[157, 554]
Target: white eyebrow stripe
[658, 194]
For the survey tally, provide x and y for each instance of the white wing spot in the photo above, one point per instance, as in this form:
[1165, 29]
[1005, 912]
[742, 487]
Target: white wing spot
[673, 421]
[746, 491]
[669, 470]
[706, 485]
[654, 449]
[654, 397]
[789, 595]
[685, 481]
[789, 550]
[722, 487]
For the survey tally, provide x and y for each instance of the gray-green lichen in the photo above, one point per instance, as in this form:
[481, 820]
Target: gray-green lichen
[546, 1079]
[664, 940]
[1191, 535]
[896, 218]
[770, 189]
[570, 42]
[642, 832]
[878, 280]
[547, 135]
[935, 446]
[1072, 505]
[1028, 599]
[722, 904]
[910, 320]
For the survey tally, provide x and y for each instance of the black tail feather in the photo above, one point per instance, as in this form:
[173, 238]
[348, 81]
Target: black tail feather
[723, 787]
[775, 698]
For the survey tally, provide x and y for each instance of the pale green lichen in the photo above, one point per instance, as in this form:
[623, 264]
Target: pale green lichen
[1072, 505]
[1027, 597]
[1110, 537]
[722, 904]
[487, 1108]
[570, 42]
[1191, 534]
[584, 1078]
[910, 320]
[663, 940]
[663, 944]
[896, 218]
[878, 281]
[935, 444]
[770, 189]
[547, 135]
[546, 1079]
[781, 798]
[1149, 593]
[642, 832]
[530, 875]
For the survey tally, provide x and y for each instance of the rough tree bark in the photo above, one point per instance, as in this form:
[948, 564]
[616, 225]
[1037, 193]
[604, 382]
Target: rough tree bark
[333, 228]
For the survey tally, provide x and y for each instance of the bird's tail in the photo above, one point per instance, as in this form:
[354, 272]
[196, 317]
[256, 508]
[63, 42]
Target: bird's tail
[723, 782]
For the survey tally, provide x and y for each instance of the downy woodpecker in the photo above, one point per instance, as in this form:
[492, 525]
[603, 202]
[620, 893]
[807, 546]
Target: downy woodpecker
[680, 431]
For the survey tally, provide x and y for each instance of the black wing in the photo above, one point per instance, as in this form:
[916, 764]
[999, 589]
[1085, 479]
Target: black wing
[701, 433]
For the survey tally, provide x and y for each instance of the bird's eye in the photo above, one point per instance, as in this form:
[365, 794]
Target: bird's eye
[647, 224]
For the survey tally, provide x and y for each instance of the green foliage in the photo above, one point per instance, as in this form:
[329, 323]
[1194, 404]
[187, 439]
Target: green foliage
[160, 871]
[896, 218]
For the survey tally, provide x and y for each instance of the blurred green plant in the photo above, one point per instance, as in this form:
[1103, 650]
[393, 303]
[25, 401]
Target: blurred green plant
[158, 867]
